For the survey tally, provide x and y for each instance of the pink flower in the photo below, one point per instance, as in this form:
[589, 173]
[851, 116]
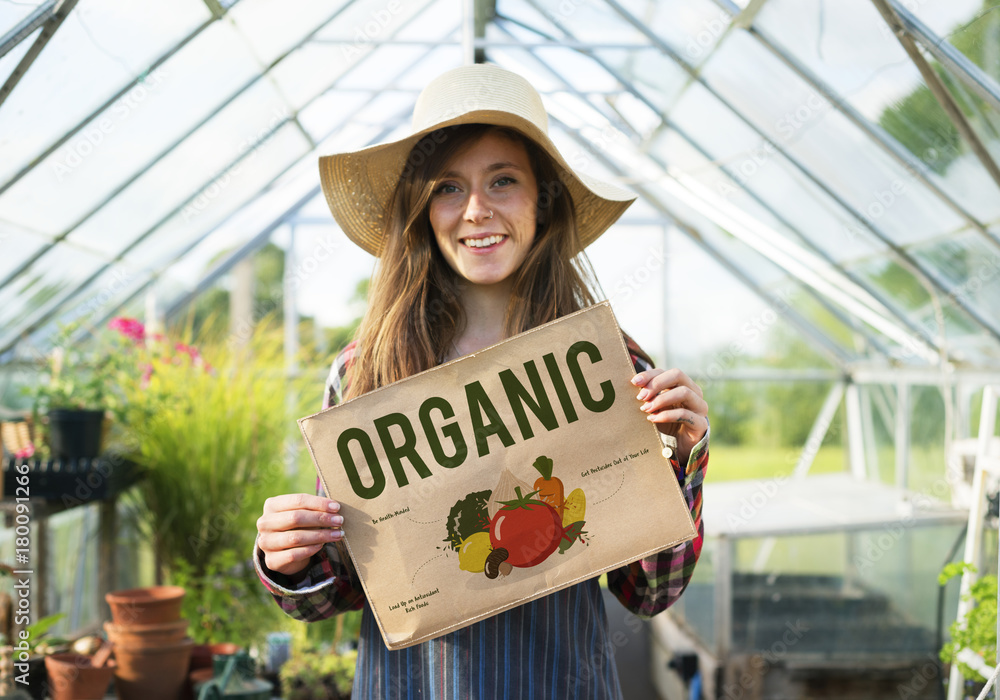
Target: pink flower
[129, 327]
[26, 452]
[147, 373]
[188, 350]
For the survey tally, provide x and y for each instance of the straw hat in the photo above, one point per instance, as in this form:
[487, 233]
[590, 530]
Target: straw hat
[359, 184]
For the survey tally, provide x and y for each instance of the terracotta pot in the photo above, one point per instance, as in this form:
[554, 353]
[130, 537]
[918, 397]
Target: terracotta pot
[163, 634]
[202, 654]
[146, 606]
[152, 673]
[71, 677]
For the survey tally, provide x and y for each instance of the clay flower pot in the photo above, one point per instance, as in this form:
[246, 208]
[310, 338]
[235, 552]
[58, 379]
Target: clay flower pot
[152, 673]
[158, 635]
[71, 677]
[146, 606]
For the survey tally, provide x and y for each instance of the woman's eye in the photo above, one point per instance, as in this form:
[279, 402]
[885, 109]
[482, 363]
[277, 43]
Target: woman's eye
[446, 188]
[504, 181]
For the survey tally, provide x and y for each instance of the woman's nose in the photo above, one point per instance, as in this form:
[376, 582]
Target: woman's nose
[476, 209]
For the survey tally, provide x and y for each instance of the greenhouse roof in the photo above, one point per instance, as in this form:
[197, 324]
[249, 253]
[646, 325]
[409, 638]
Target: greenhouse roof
[830, 168]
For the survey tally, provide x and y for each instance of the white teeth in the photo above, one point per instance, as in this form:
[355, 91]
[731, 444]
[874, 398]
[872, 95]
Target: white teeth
[482, 242]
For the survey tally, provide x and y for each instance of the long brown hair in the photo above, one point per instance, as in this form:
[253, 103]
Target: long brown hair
[414, 311]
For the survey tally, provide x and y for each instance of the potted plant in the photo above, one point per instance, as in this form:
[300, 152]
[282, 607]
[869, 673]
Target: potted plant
[974, 637]
[82, 387]
[318, 674]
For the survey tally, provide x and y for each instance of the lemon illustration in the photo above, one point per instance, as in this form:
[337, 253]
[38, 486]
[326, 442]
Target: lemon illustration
[473, 551]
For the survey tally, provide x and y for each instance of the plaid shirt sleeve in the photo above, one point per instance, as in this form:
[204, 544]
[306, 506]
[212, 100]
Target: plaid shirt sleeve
[330, 584]
[650, 585]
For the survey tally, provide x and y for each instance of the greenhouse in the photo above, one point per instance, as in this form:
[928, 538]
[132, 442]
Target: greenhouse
[815, 242]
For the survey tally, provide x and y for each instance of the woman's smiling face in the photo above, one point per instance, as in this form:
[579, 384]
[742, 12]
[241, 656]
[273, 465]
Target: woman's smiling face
[492, 175]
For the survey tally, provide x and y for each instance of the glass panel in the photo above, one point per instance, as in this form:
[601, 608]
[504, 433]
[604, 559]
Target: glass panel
[981, 115]
[690, 28]
[110, 290]
[123, 140]
[657, 78]
[971, 26]
[16, 247]
[591, 22]
[826, 143]
[273, 29]
[216, 201]
[799, 202]
[970, 266]
[13, 12]
[10, 60]
[25, 299]
[884, 86]
[210, 154]
[100, 48]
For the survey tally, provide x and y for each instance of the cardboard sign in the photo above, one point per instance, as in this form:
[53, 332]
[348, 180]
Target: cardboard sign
[497, 478]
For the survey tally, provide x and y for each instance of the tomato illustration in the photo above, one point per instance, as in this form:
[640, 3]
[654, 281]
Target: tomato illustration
[527, 528]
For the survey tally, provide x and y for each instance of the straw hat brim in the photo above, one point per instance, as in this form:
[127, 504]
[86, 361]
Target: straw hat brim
[358, 185]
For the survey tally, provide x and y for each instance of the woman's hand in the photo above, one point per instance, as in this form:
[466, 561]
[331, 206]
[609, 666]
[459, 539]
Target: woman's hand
[294, 527]
[676, 405]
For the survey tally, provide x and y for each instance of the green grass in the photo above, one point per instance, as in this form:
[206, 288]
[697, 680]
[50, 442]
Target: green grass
[730, 463]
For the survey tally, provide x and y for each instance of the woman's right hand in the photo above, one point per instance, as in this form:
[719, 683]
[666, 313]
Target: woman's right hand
[294, 527]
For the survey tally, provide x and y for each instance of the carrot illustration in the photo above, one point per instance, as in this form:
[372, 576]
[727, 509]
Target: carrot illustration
[549, 488]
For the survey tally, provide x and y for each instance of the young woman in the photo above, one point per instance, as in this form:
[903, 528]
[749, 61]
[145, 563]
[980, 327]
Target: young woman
[479, 225]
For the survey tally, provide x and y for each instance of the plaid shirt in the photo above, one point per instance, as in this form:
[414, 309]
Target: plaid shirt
[557, 646]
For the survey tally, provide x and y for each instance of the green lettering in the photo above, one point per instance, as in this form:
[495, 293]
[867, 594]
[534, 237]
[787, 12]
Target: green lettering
[518, 396]
[451, 431]
[479, 403]
[368, 450]
[407, 448]
[572, 359]
[557, 381]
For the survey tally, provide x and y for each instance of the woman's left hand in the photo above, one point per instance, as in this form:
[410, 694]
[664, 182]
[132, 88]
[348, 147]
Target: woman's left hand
[676, 405]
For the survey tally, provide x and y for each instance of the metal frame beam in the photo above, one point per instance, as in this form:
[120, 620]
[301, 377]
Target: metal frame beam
[821, 341]
[819, 296]
[42, 317]
[938, 89]
[971, 75]
[879, 137]
[23, 29]
[50, 25]
[909, 262]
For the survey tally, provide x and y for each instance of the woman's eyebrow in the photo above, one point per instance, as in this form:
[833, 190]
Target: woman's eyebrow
[502, 165]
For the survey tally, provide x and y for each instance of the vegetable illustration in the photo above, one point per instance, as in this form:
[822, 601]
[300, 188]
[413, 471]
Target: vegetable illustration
[496, 559]
[474, 551]
[574, 507]
[548, 488]
[467, 517]
[527, 528]
[504, 491]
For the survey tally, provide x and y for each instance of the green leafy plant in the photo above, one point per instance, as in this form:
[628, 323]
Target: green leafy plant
[38, 642]
[86, 376]
[226, 603]
[978, 630]
[318, 675]
[211, 442]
